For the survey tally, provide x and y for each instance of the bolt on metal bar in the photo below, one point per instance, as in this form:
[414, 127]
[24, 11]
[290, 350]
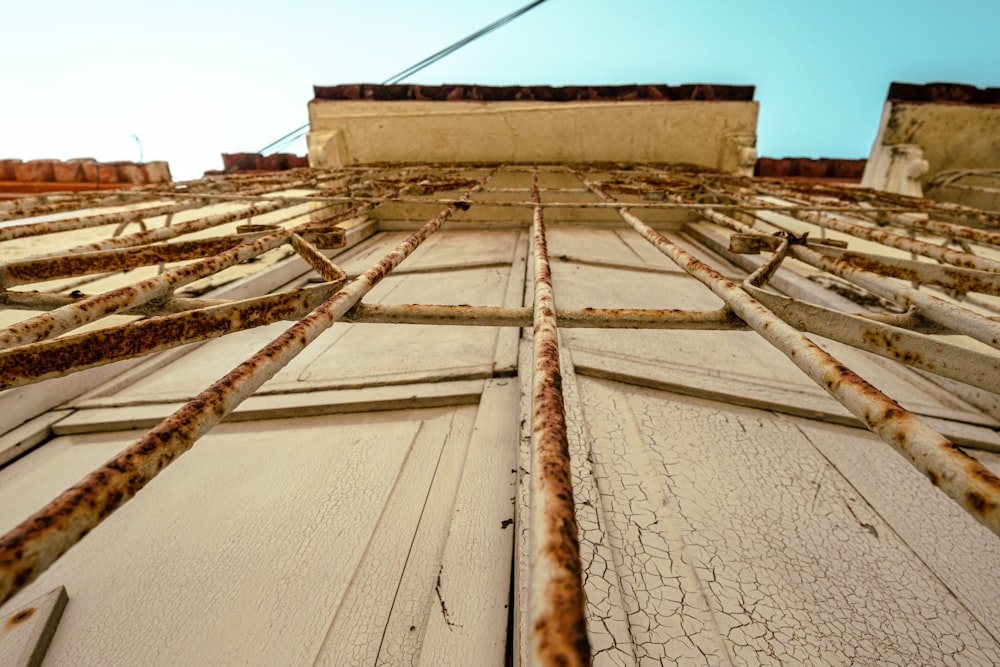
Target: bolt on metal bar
[31, 547]
[85, 311]
[960, 476]
[556, 600]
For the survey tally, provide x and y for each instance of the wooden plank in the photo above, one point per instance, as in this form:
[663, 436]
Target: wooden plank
[27, 436]
[607, 623]
[24, 403]
[474, 582]
[419, 594]
[961, 552]
[354, 355]
[101, 415]
[505, 358]
[737, 389]
[669, 619]
[281, 545]
[25, 633]
[358, 630]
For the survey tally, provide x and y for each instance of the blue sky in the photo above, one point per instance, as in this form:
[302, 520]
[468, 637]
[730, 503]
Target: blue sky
[196, 78]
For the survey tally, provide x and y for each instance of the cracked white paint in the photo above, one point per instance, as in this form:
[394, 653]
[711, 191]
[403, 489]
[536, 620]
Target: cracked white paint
[735, 532]
[607, 624]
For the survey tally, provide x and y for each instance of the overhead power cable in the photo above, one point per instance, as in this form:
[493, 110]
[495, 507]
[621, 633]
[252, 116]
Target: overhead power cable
[430, 60]
[299, 132]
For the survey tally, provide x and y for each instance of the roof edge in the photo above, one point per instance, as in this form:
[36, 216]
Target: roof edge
[652, 92]
[942, 93]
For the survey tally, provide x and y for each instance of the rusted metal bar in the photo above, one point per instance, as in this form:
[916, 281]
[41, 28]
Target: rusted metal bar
[27, 550]
[81, 264]
[950, 277]
[954, 317]
[888, 201]
[506, 316]
[51, 202]
[320, 263]
[938, 228]
[947, 314]
[556, 599]
[181, 228]
[9, 231]
[53, 358]
[923, 248]
[67, 318]
[960, 476]
[15, 300]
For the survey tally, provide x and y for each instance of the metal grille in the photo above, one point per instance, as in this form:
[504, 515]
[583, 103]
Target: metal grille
[926, 276]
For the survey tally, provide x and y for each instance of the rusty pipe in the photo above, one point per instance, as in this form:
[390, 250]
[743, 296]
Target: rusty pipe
[556, 601]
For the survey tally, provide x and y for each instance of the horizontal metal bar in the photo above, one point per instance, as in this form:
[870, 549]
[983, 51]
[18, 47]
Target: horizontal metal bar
[81, 264]
[9, 232]
[506, 316]
[28, 549]
[947, 314]
[179, 229]
[651, 204]
[964, 280]
[886, 238]
[70, 354]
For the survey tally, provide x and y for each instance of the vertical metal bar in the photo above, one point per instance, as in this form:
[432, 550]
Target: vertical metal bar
[556, 599]
[960, 476]
[27, 550]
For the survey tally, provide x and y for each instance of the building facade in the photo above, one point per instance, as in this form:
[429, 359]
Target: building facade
[556, 399]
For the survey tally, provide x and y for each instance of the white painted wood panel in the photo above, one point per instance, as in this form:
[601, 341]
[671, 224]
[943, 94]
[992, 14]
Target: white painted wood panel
[793, 565]
[961, 553]
[243, 550]
[474, 581]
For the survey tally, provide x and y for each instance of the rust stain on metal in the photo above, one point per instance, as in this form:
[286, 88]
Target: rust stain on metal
[559, 630]
[79, 264]
[62, 356]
